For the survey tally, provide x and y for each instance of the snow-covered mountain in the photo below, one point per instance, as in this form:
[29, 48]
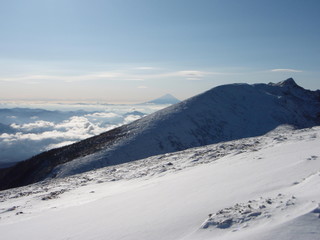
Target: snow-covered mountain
[221, 114]
[257, 188]
[165, 99]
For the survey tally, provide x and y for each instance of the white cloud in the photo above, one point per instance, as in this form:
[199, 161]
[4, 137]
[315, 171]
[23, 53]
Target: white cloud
[131, 118]
[285, 70]
[186, 74]
[31, 126]
[102, 115]
[145, 68]
[5, 136]
[191, 73]
[76, 122]
[142, 87]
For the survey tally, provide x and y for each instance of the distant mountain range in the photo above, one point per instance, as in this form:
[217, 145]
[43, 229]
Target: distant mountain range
[165, 99]
[223, 113]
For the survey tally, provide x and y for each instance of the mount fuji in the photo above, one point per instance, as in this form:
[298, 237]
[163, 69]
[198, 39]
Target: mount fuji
[165, 99]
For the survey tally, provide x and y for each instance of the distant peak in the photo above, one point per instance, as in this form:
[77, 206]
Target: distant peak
[286, 83]
[168, 95]
[165, 99]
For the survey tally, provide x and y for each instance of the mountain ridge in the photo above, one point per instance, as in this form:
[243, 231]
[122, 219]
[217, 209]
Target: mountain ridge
[226, 112]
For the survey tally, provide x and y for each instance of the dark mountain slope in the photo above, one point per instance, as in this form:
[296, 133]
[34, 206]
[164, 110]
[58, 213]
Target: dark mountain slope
[223, 113]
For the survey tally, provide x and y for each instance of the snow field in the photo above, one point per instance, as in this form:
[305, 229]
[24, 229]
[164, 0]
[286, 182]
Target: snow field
[201, 193]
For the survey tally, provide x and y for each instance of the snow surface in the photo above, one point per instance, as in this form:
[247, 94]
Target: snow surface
[255, 188]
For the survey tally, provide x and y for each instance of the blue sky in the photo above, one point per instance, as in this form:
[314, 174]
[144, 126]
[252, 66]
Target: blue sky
[136, 50]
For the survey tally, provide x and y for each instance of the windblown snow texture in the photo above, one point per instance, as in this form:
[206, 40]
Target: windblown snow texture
[223, 113]
[258, 188]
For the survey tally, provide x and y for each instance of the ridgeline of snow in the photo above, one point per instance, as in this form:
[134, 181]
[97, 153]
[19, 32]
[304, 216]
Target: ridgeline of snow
[257, 188]
[221, 114]
[165, 99]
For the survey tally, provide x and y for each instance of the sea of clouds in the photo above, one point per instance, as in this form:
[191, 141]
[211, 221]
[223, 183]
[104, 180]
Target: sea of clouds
[29, 129]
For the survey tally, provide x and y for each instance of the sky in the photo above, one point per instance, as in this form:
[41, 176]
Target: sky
[128, 51]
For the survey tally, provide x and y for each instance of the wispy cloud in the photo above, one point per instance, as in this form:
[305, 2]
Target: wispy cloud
[34, 125]
[285, 70]
[192, 73]
[120, 75]
[145, 68]
[74, 78]
[186, 74]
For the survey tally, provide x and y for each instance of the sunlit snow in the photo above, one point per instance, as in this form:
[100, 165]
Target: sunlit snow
[257, 188]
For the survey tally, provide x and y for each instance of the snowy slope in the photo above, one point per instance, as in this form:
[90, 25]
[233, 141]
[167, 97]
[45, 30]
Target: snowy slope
[221, 114]
[256, 188]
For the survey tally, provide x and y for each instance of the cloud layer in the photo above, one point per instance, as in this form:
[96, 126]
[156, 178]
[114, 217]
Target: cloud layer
[27, 132]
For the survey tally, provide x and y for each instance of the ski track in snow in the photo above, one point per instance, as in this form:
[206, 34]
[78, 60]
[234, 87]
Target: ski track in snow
[37, 198]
